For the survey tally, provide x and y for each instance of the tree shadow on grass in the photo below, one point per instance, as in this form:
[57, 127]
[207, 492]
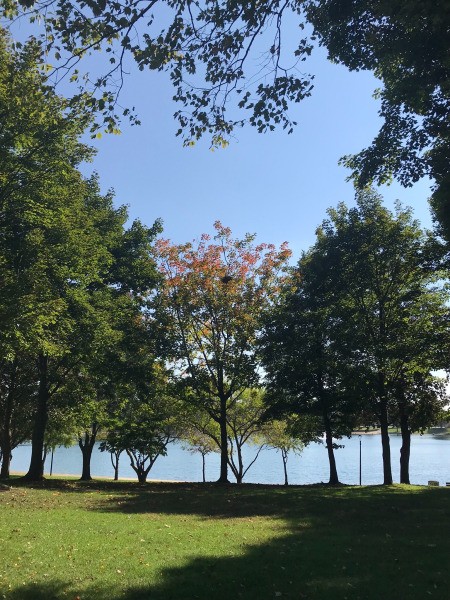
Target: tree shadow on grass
[283, 502]
[339, 544]
[50, 590]
[351, 559]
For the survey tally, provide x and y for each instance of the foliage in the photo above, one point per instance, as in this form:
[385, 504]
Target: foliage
[17, 398]
[211, 51]
[214, 294]
[303, 353]
[219, 53]
[279, 435]
[391, 302]
[197, 438]
[244, 425]
[405, 44]
[71, 273]
[144, 425]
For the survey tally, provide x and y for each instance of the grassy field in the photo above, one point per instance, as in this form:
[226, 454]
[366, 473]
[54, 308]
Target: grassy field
[106, 541]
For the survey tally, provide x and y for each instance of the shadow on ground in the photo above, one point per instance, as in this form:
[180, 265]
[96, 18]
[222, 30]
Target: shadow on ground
[339, 544]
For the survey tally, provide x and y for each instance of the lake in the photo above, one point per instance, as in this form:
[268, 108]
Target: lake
[430, 459]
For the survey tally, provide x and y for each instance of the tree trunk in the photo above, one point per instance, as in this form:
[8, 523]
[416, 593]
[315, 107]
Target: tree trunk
[142, 476]
[36, 469]
[44, 456]
[203, 468]
[405, 450]
[240, 471]
[384, 425]
[86, 447]
[6, 459]
[86, 470]
[5, 436]
[334, 479]
[116, 468]
[114, 455]
[223, 442]
[284, 455]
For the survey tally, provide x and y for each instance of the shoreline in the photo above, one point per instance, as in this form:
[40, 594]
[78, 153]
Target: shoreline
[99, 477]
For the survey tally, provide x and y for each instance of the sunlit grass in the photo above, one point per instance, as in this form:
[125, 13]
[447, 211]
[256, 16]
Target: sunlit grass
[123, 541]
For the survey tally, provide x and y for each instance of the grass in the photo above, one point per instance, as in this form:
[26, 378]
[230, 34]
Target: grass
[111, 541]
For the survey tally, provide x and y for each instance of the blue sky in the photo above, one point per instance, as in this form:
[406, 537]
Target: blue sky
[276, 185]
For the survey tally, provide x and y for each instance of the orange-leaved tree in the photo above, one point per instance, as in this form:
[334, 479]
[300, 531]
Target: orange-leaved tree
[216, 290]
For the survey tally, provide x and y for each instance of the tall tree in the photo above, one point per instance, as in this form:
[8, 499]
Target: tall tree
[45, 259]
[214, 293]
[66, 259]
[391, 302]
[304, 358]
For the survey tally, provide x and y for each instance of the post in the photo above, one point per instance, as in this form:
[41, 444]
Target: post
[360, 462]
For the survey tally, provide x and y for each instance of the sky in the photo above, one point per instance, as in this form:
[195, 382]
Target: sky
[276, 185]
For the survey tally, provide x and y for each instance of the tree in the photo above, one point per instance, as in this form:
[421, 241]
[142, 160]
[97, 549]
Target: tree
[278, 436]
[146, 425]
[45, 255]
[198, 442]
[389, 300]
[112, 444]
[18, 388]
[405, 44]
[60, 430]
[214, 294]
[245, 423]
[65, 258]
[306, 366]
[417, 404]
[196, 433]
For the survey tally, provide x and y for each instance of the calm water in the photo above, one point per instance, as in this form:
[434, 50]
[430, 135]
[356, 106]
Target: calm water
[430, 459]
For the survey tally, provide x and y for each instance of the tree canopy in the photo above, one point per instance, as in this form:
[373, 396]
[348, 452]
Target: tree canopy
[212, 300]
[222, 54]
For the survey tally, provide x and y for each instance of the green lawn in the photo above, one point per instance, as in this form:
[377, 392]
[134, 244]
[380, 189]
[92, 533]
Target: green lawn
[106, 541]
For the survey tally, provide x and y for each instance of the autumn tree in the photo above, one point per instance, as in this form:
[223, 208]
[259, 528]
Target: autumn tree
[214, 294]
